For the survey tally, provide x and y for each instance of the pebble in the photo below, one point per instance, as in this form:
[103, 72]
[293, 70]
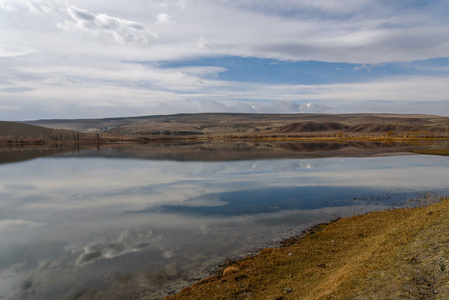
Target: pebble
[230, 270]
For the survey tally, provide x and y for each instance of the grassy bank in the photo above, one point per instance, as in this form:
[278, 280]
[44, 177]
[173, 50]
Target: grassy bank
[390, 254]
[297, 138]
[444, 152]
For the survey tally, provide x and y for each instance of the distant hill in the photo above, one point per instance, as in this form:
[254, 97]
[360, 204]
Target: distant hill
[21, 133]
[220, 124]
[16, 129]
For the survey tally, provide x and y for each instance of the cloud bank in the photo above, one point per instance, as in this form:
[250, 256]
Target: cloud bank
[82, 58]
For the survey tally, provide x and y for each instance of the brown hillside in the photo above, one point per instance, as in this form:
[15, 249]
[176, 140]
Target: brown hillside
[22, 134]
[15, 129]
[312, 127]
[216, 124]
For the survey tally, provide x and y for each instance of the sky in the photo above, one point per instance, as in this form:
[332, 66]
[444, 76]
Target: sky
[94, 59]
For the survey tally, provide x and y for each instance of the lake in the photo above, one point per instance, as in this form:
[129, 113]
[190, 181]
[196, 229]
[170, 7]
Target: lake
[143, 221]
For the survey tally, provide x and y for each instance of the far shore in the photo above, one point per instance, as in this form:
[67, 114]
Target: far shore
[229, 149]
[86, 139]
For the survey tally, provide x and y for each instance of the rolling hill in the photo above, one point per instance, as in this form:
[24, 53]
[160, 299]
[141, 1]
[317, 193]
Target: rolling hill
[16, 129]
[221, 124]
[21, 133]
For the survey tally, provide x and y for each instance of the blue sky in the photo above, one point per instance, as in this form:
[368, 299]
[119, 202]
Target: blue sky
[84, 59]
[308, 72]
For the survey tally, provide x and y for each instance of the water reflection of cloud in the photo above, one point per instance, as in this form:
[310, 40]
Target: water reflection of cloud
[57, 214]
[24, 279]
[137, 185]
[168, 253]
[127, 242]
[8, 277]
[205, 201]
[18, 224]
[20, 187]
[268, 200]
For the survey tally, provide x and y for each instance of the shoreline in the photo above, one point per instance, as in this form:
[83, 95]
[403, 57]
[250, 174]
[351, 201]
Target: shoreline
[345, 258]
[89, 138]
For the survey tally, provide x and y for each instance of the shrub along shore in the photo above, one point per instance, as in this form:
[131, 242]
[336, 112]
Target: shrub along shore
[400, 253]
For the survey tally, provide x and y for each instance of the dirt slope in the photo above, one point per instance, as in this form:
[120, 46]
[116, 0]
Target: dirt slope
[393, 254]
[15, 129]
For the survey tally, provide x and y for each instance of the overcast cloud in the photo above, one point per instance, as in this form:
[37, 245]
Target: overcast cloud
[79, 58]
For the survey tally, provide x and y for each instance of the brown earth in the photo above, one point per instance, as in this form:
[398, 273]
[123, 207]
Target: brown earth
[392, 254]
[225, 124]
[15, 129]
[18, 133]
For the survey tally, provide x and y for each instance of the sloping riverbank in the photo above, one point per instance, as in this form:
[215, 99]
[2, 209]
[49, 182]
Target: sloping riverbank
[399, 253]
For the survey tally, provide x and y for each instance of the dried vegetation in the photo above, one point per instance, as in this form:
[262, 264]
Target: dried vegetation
[392, 254]
[444, 152]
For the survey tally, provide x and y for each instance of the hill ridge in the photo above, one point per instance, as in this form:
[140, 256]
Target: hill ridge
[185, 124]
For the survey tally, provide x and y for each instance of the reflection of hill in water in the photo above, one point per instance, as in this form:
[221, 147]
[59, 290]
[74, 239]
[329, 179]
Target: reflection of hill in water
[27, 153]
[228, 151]
[221, 151]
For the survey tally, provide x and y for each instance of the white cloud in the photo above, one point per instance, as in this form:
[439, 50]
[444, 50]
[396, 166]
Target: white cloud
[16, 89]
[34, 7]
[126, 242]
[289, 106]
[14, 51]
[361, 67]
[202, 43]
[358, 32]
[164, 19]
[99, 91]
[7, 6]
[101, 25]
[17, 225]
[281, 106]
[69, 56]
[201, 71]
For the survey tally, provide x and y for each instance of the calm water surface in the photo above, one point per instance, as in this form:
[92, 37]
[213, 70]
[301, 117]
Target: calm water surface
[102, 226]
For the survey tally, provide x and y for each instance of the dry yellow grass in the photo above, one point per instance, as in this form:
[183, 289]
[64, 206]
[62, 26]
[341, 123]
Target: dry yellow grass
[393, 254]
[444, 152]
